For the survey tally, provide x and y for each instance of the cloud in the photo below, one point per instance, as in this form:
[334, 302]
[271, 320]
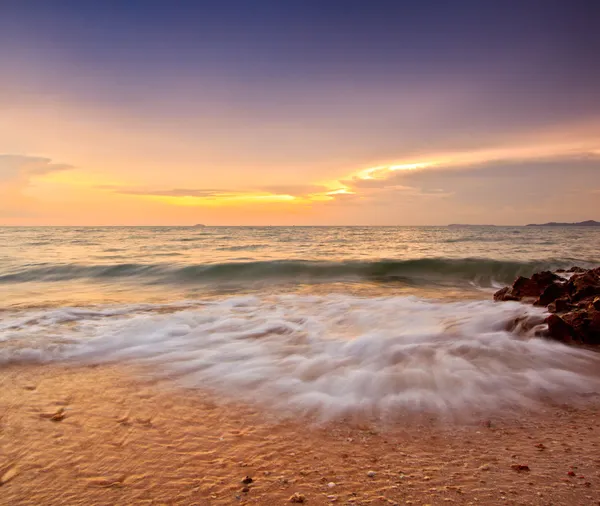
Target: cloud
[298, 193]
[404, 180]
[21, 168]
[175, 192]
[296, 190]
[16, 172]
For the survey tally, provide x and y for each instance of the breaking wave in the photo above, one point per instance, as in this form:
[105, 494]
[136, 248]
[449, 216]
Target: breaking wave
[428, 270]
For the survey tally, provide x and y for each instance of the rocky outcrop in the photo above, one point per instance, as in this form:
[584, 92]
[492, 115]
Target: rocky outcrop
[574, 302]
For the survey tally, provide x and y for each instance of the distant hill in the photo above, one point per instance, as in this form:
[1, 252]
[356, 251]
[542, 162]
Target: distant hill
[588, 223]
[457, 225]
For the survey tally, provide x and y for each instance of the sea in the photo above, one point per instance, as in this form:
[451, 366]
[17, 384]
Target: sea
[328, 321]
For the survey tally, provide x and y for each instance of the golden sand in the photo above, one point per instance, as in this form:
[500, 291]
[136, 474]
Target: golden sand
[100, 435]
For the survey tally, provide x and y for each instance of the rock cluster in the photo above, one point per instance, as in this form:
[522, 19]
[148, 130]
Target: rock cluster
[573, 298]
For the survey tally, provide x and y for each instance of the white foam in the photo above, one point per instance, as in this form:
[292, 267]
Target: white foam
[332, 355]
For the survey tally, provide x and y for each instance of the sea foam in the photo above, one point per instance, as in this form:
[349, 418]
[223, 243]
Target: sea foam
[331, 356]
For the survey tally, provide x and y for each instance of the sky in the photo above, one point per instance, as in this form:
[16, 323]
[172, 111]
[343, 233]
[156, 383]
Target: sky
[299, 112]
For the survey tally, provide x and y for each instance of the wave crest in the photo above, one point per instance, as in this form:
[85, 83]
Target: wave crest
[427, 270]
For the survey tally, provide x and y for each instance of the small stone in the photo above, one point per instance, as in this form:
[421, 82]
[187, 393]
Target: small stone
[8, 475]
[247, 480]
[331, 484]
[57, 416]
[297, 498]
[245, 490]
[520, 467]
[371, 474]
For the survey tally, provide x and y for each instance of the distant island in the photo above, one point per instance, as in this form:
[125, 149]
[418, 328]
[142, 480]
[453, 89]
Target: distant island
[457, 225]
[588, 223]
[198, 225]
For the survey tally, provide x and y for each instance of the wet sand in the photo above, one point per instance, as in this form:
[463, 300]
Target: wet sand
[101, 435]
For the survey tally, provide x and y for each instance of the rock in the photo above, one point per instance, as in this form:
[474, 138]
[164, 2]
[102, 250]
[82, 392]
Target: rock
[575, 269]
[560, 305]
[577, 300]
[545, 278]
[57, 416]
[297, 498]
[520, 467]
[586, 284]
[504, 294]
[245, 490]
[8, 475]
[501, 294]
[371, 474]
[525, 287]
[331, 484]
[533, 287]
[247, 480]
[551, 293]
[559, 330]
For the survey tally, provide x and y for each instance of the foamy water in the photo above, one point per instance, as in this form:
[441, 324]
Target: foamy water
[329, 321]
[326, 355]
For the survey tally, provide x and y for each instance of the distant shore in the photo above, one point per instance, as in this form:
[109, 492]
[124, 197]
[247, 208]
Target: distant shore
[588, 223]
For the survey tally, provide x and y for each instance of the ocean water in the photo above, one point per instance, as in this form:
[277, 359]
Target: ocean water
[325, 320]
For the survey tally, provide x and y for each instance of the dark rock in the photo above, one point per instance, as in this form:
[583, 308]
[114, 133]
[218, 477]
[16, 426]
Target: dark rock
[584, 285]
[576, 269]
[594, 328]
[545, 278]
[504, 294]
[560, 305]
[559, 330]
[552, 292]
[247, 480]
[577, 300]
[525, 287]
[577, 319]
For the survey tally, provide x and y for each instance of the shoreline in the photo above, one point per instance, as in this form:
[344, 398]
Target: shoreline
[100, 435]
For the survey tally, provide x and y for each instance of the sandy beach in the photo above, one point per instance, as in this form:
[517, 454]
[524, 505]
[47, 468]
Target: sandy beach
[101, 435]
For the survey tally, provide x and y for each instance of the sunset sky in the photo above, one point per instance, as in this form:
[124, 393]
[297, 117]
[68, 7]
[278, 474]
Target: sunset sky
[304, 112]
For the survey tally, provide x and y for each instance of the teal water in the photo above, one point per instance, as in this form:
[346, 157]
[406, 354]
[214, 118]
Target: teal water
[41, 265]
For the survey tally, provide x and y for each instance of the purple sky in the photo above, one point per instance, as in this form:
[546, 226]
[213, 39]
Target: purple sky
[269, 112]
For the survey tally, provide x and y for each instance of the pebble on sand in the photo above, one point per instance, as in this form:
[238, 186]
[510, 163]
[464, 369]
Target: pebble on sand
[371, 474]
[297, 498]
[8, 475]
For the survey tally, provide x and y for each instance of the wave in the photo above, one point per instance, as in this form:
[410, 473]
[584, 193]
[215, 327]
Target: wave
[334, 355]
[483, 272]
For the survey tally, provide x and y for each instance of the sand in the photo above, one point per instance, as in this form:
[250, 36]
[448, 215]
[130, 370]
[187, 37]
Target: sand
[104, 435]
